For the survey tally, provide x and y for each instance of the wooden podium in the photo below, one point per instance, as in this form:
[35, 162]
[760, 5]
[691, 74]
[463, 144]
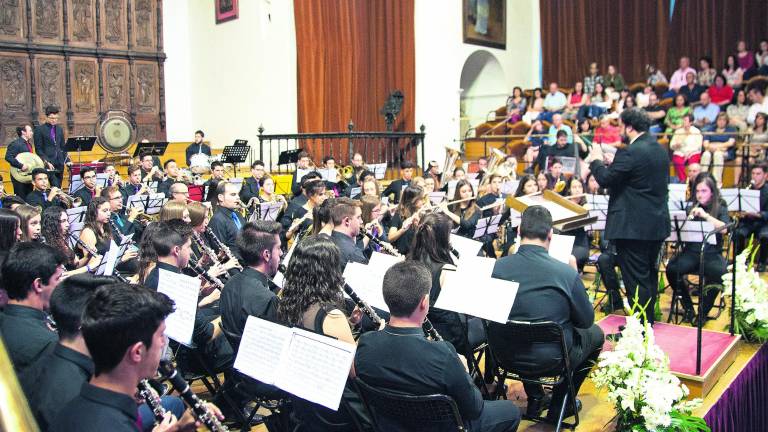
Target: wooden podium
[565, 214]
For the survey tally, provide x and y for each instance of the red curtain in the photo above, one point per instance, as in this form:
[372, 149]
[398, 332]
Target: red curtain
[625, 33]
[713, 27]
[350, 56]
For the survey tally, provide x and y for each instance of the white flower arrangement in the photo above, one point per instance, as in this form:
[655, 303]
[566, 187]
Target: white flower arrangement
[646, 395]
[751, 303]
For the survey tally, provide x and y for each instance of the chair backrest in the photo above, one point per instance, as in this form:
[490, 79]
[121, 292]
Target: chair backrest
[411, 412]
[501, 336]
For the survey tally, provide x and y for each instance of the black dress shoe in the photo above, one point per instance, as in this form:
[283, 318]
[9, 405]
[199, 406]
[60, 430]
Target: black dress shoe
[554, 412]
[537, 405]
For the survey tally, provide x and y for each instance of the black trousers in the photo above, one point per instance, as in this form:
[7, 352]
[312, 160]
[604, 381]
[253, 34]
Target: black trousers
[746, 229]
[687, 262]
[638, 263]
[21, 190]
[586, 347]
[606, 265]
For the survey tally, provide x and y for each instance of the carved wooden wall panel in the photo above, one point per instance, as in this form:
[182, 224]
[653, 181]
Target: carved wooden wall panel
[50, 77]
[114, 24]
[81, 23]
[13, 18]
[144, 25]
[86, 57]
[47, 21]
[115, 78]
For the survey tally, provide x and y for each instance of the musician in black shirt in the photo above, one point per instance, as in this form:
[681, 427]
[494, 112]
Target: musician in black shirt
[123, 328]
[346, 216]
[251, 185]
[756, 223]
[30, 274]
[395, 189]
[22, 144]
[227, 222]
[399, 358]
[134, 186]
[42, 195]
[197, 147]
[55, 379]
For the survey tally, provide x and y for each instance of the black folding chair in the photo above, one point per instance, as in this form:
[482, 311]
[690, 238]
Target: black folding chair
[502, 338]
[409, 412]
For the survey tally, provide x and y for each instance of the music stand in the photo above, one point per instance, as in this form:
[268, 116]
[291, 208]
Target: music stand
[235, 154]
[489, 225]
[289, 157]
[79, 144]
[154, 148]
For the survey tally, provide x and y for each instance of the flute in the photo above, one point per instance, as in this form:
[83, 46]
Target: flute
[201, 411]
[152, 400]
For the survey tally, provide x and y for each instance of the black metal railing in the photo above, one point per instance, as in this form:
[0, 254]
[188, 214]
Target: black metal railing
[375, 147]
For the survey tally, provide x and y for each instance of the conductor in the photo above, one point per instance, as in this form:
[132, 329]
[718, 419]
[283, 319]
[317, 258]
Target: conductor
[638, 218]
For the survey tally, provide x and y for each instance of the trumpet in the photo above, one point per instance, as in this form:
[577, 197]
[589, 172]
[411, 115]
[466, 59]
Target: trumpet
[67, 199]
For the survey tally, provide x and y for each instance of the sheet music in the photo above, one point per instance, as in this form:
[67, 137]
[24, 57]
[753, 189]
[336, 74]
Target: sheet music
[598, 207]
[378, 170]
[301, 173]
[690, 231]
[383, 260]
[329, 174]
[480, 266]
[75, 183]
[183, 290]
[489, 225]
[472, 176]
[514, 218]
[367, 281]
[750, 199]
[268, 211]
[109, 260]
[465, 246]
[560, 247]
[150, 204]
[315, 368]
[436, 197]
[261, 349]
[568, 162]
[488, 298]
[677, 196]
[76, 214]
[355, 191]
[509, 187]
[557, 211]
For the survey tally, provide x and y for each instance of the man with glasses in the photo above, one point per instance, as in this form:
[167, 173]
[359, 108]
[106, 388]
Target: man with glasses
[251, 185]
[125, 223]
[89, 189]
[179, 192]
[49, 145]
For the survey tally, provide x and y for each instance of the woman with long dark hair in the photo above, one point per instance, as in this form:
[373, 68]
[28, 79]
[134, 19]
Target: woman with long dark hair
[312, 298]
[402, 224]
[465, 214]
[574, 189]
[432, 247]
[56, 232]
[709, 207]
[147, 253]
[97, 233]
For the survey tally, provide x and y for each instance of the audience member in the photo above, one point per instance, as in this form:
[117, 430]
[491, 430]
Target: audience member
[656, 113]
[686, 144]
[678, 78]
[738, 111]
[732, 72]
[705, 114]
[593, 78]
[706, 74]
[691, 90]
[759, 104]
[720, 92]
[674, 118]
[613, 79]
[557, 126]
[720, 147]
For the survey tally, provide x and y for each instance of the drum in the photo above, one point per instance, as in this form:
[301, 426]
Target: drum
[199, 163]
[116, 133]
[32, 161]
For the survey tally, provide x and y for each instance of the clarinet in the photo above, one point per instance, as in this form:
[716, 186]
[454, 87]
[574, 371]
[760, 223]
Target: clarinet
[152, 400]
[222, 246]
[197, 268]
[85, 247]
[118, 232]
[365, 307]
[41, 239]
[430, 330]
[205, 249]
[386, 247]
[198, 406]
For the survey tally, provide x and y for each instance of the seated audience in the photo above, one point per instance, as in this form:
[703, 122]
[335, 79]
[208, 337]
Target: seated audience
[593, 78]
[705, 114]
[516, 105]
[706, 74]
[656, 114]
[557, 126]
[654, 76]
[759, 104]
[738, 111]
[674, 118]
[720, 92]
[720, 147]
[686, 146]
[732, 72]
[691, 90]
[554, 102]
[576, 100]
[613, 79]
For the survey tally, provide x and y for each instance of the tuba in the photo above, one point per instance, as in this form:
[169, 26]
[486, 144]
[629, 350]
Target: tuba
[451, 156]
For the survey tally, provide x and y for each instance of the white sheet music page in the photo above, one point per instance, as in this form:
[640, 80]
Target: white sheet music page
[560, 247]
[183, 290]
[750, 199]
[367, 282]
[383, 261]
[76, 214]
[110, 260]
[488, 298]
[465, 246]
[479, 266]
[261, 349]
[315, 368]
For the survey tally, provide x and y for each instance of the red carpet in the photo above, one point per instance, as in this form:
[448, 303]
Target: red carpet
[679, 343]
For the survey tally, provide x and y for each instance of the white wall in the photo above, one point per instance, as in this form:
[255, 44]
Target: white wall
[228, 79]
[441, 55]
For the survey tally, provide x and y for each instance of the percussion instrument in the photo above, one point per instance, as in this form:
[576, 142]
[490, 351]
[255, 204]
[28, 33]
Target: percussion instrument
[200, 163]
[32, 161]
[116, 131]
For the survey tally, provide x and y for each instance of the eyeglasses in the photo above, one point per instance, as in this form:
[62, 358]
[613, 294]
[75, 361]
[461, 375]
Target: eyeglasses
[115, 198]
[89, 177]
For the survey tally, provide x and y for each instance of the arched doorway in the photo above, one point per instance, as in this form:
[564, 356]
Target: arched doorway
[484, 88]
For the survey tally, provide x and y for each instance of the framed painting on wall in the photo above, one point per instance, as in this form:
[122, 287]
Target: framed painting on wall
[485, 23]
[226, 10]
